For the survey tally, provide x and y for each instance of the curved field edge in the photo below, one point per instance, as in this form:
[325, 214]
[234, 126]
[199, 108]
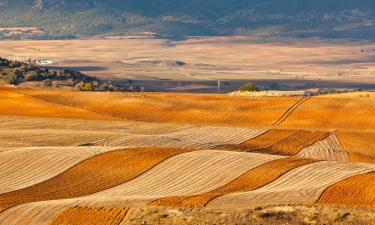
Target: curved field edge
[23, 167]
[91, 216]
[91, 176]
[357, 190]
[304, 184]
[279, 142]
[252, 179]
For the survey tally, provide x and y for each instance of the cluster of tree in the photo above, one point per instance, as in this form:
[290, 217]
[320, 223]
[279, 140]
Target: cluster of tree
[14, 72]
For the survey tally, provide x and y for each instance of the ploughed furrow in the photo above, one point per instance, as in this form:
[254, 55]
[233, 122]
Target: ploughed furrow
[91, 216]
[93, 175]
[186, 174]
[357, 190]
[262, 141]
[360, 146]
[197, 137]
[327, 149]
[23, 167]
[303, 185]
[252, 179]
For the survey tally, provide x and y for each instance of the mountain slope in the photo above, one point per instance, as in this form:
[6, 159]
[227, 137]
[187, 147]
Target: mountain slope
[72, 18]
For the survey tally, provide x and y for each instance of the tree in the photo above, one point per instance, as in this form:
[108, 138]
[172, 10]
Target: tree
[88, 87]
[249, 87]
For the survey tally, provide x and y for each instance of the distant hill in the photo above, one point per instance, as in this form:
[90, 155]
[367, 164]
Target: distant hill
[178, 18]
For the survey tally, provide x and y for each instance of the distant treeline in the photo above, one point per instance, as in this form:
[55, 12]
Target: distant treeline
[15, 73]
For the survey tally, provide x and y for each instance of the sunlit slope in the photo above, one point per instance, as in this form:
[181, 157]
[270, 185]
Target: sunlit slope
[324, 112]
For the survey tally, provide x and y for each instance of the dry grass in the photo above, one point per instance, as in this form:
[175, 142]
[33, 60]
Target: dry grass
[250, 180]
[360, 146]
[358, 190]
[91, 216]
[93, 175]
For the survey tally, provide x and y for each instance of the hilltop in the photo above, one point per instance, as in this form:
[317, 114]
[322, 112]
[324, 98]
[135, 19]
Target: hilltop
[42, 19]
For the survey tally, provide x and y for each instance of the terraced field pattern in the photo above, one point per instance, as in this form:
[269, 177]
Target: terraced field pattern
[96, 158]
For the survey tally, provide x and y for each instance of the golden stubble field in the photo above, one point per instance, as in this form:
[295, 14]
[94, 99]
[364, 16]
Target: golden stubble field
[231, 58]
[165, 158]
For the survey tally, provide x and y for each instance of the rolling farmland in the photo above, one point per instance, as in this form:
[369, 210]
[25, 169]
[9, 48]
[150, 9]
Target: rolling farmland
[124, 158]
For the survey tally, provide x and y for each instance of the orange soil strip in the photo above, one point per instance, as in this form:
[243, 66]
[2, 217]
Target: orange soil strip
[91, 216]
[293, 144]
[260, 142]
[357, 190]
[93, 175]
[359, 146]
[250, 180]
[281, 142]
[13, 103]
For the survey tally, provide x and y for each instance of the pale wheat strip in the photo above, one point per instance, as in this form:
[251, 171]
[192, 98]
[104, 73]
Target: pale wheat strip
[327, 149]
[194, 172]
[302, 185]
[28, 166]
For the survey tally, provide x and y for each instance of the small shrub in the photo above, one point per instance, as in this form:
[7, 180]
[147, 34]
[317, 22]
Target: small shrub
[249, 87]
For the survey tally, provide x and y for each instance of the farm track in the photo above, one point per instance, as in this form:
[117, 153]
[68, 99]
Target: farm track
[91, 176]
[358, 191]
[333, 113]
[91, 216]
[291, 110]
[304, 184]
[252, 179]
[23, 167]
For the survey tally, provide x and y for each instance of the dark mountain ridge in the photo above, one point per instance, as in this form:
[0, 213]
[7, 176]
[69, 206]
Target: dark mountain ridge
[178, 18]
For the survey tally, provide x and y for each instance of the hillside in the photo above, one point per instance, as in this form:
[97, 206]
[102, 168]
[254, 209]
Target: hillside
[178, 18]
